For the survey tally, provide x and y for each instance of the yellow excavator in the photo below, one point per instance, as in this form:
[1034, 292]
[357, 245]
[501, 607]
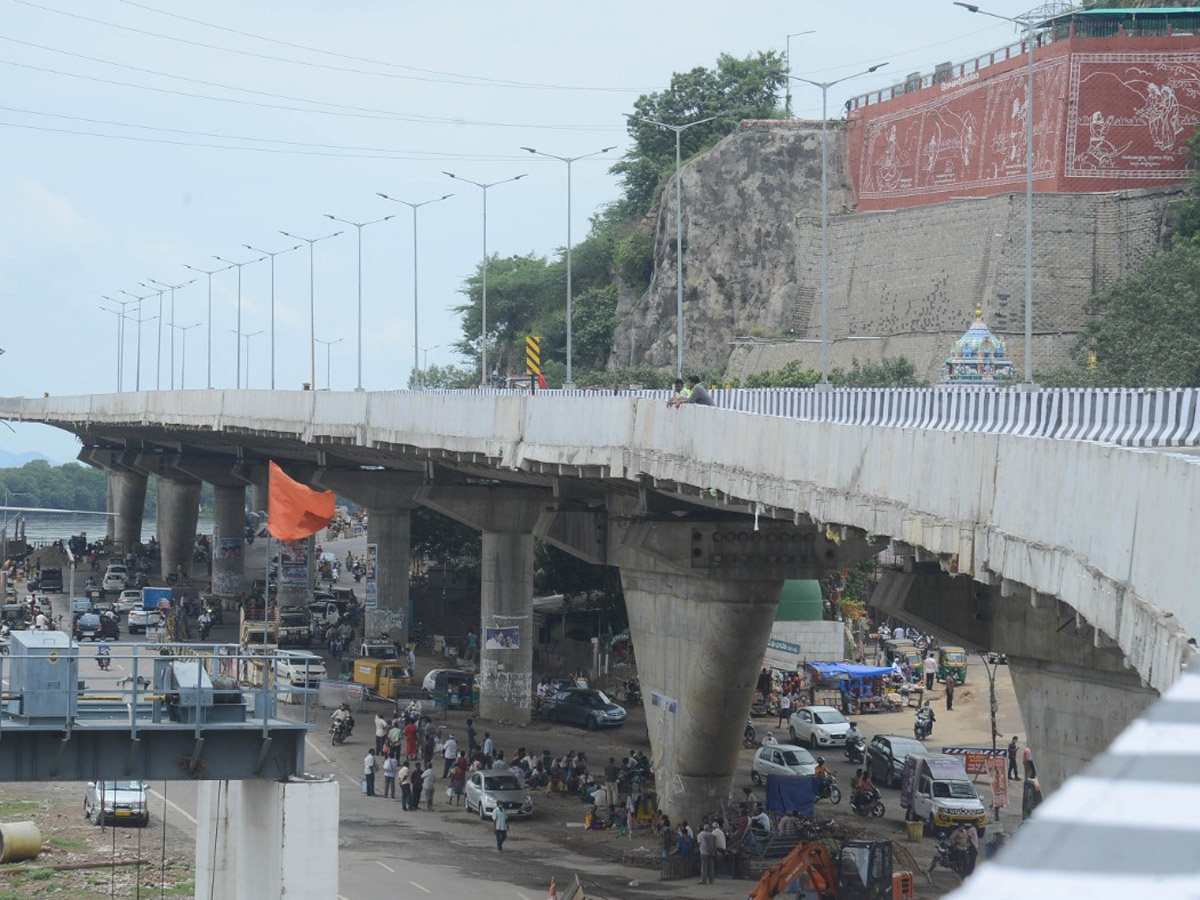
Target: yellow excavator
[862, 871]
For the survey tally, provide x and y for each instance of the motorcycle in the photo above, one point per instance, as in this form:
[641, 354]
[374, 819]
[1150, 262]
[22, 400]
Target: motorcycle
[867, 804]
[205, 628]
[923, 726]
[749, 735]
[827, 789]
[856, 749]
[103, 660]
[948, 858]
[340, 730]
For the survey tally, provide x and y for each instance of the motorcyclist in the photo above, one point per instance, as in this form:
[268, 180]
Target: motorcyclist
[102, 658]
[343, 715]
[853, 735]
[925, 719]
[864, 789]
[205, 623]
[824, 775]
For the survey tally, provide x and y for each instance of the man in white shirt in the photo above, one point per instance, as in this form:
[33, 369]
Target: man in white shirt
[898, 633]
[785, 708]
[369, 772]
[449, 754]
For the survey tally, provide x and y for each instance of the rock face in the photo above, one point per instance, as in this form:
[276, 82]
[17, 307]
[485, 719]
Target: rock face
[902, 283]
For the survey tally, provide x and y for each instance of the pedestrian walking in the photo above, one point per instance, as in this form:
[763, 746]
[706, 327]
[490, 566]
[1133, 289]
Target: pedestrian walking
[449, 755]
[427, 788]
[472, 738]
[949, 692]
[500, 818]
[369, 772]
[381, 730]
[930, 667]
[390, 768]
[418, 780]
[1012, 760]
[785, 708]
[1027, 761]
[708, 854]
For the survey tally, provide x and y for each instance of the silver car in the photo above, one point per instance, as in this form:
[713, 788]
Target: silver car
[488, 789]
[781, 759]
[116, 801]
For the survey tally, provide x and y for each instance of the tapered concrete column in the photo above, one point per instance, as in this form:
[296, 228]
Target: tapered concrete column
[506, 516]
[129, 504]
[229, 521]
[267, 839]
[260, 497]
[389, 499]
[700, 645]
[110, 507]
[178, 511]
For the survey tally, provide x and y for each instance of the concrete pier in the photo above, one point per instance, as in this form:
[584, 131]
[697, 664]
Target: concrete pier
[506, 516]
[267, 839]
[178, 512]
[228, 546]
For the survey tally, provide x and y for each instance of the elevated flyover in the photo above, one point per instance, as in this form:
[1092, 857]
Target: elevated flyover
[1023, 524]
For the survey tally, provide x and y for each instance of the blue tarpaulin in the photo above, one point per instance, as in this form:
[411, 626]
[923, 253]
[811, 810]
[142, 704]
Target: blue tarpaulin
[797, 793]
[850, 670]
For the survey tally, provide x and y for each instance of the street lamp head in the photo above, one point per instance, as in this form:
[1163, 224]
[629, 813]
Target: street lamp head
[529, 150]
[876, 67]
[969, 7]
[606, 149]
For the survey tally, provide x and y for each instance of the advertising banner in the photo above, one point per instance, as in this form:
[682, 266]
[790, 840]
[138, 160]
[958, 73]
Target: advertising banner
[371, 565]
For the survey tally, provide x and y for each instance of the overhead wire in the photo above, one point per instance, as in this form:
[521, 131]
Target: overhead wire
[455, 80]
[360, 111]
[504, 82]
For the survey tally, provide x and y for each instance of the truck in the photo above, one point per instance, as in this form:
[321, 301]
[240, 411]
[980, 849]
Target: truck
[935, 789]
[51, 580]
[387, 678]
[288, 626]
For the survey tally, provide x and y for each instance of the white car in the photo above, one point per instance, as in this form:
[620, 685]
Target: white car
[130, 599]
[299, 668]
[818, 726]
[115, 579]
[781, 759]
[109, 802]
[141, 619]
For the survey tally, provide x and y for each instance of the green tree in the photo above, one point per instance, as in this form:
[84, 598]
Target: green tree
[733, 90]
[449, 377]
[444, 541]
[894, 371]
[1145, 328]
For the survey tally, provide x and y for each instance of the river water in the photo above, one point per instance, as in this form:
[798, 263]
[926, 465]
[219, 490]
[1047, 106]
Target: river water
[44, 528]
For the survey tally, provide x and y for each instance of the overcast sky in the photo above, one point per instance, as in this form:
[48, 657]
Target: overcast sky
[137, 137]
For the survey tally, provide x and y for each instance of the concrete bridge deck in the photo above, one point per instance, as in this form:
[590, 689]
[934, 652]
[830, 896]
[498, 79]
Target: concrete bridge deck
[1072, 539]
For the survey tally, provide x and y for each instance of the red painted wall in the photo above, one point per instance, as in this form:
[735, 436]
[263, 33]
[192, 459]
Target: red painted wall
[1109, 113]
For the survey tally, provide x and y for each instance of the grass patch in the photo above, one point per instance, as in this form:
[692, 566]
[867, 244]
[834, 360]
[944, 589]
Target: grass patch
[63, 844]
[41, 875]
[182, 889]
[18, 807]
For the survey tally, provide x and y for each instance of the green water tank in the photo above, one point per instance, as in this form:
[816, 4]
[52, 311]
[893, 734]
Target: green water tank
[800, 601]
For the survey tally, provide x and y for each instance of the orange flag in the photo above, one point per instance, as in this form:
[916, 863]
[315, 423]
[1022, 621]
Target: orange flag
[293, 510]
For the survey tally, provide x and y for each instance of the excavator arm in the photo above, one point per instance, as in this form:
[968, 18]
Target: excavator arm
[810, 859]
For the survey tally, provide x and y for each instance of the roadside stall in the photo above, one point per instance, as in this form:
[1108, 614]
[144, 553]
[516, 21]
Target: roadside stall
[854, 689]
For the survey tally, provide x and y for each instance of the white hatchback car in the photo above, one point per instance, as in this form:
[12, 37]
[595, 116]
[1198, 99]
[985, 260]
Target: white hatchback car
[115, 579]
[781, 759]
[818, 726]
[488, 789]
[129, 599]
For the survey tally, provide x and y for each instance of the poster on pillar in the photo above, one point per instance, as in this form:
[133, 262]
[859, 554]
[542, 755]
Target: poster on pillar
[502, 638]
[371, 577]
[230, 548]
[293, 563]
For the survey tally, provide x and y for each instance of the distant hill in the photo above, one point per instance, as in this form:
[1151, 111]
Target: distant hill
[10, 460]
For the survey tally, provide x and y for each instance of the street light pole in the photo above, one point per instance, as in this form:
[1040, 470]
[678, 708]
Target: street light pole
[825, 86]
[183, 330]
[238, 331]
[787, 62]
[679, 130]
[246, 337]
[570, 382]
[426, 350]
[120, 314]
[272, 255]
[360, 226]
[137, 382]
[172, 288]
[209, 273]
[158, 364]
[328, 345]
[312, 303]
[483, 186]
[1028, 24]
[416, 379]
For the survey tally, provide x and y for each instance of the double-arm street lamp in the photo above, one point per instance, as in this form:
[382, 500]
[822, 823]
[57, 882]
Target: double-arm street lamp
[328, 353]
[825, 86]
[137, 381]
[312, 303]
[272, 255]
[160, 317]
[360, 226]
[120, 314]
[570, 382]
[483, 373]
[416, 380]
[209, 273]
[183, 330]
[679, 130]
[172, 288]
[1028, 24]
[238, 330]
[246, 338]
[787, 64]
